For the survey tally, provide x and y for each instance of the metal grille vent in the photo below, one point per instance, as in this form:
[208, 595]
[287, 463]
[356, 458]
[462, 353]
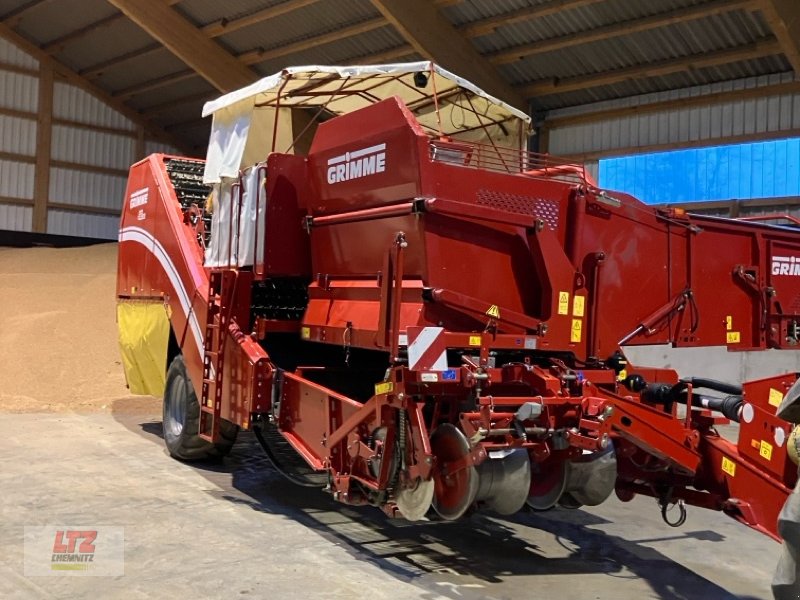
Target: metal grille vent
[546, 210]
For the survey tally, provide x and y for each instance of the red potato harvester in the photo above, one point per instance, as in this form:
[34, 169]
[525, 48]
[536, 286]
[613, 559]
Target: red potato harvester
[412, 311]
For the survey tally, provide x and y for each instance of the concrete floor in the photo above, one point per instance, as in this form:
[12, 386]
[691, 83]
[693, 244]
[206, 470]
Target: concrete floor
[238, 529]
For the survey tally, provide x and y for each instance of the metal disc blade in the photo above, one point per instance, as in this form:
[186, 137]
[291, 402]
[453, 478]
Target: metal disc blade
[453, 493]
[415, 501]
[548, 483]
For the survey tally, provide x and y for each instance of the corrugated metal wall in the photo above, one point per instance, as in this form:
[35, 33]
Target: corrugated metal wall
[18, 92]
[16, 218]
[80, 146]
[92, 147]
[75, 104]
[68, 186]
[10, 54]
[16, 180]
[17, 135]
[112, 152]
[63, 222]
[767, 115]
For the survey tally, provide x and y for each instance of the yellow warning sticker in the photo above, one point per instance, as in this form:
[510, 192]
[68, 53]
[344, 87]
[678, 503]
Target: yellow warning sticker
[305, 333]
[577, 327]
[766, 450]
[578, 303]
[563, 303]
[775, 397]
[729, 322]
[733, 337]
[622, 375]
[728, 466]
[383, 388]
[493, 312]
[474, 340]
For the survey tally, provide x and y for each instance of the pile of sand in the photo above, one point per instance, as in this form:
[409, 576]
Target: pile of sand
[58, 335]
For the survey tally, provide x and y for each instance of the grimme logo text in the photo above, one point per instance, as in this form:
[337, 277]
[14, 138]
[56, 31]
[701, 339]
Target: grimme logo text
[785, 265]
[360, 163]
[73, 549]
[139, 198]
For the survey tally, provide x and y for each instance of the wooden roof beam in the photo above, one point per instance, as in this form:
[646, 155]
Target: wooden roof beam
[260, 55]
[154, 84]
[433, 37]
[98, 69]
[184, 40]
[162, 107]
[257, 56]
[665, 19]
[783, 17]
[528, 13]
[765, 47]
[57, 45]
[14, 17]
[223, 26]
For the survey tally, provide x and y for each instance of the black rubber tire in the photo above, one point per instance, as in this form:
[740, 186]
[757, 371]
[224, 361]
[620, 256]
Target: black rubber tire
[786, 582]
[181, 419]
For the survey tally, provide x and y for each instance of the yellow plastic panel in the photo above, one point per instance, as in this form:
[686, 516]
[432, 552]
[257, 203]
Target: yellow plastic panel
[143, 339]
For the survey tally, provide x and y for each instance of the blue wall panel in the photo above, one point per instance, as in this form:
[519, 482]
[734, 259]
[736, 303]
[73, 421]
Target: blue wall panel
[758, 170]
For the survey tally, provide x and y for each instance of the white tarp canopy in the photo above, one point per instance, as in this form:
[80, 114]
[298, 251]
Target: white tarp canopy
[244, 123]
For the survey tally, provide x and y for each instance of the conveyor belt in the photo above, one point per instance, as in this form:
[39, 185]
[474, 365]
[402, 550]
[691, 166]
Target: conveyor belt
[186, 176]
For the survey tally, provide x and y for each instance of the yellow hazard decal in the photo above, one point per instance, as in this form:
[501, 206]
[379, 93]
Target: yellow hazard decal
[563, 303]
[729, 322]
[383, 388]
[733, 337]
[577, 330]
[493, 312]
[728, 466]
[578, 305]
[766, 450]
[305, 333]
[775, 397]
[474, 340]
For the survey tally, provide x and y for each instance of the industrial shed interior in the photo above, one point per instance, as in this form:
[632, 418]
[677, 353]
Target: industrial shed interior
[90, 86]
[690, 106]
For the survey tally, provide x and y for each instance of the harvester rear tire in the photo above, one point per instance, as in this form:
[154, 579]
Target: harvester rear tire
[181, 420]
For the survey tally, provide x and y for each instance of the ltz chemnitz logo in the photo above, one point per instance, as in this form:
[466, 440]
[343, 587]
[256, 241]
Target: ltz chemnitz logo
[73, 550]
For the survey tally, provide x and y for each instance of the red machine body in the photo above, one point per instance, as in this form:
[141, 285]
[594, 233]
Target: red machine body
[429, 323]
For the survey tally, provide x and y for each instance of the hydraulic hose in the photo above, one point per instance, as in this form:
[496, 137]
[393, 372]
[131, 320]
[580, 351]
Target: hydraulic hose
[713, 384]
